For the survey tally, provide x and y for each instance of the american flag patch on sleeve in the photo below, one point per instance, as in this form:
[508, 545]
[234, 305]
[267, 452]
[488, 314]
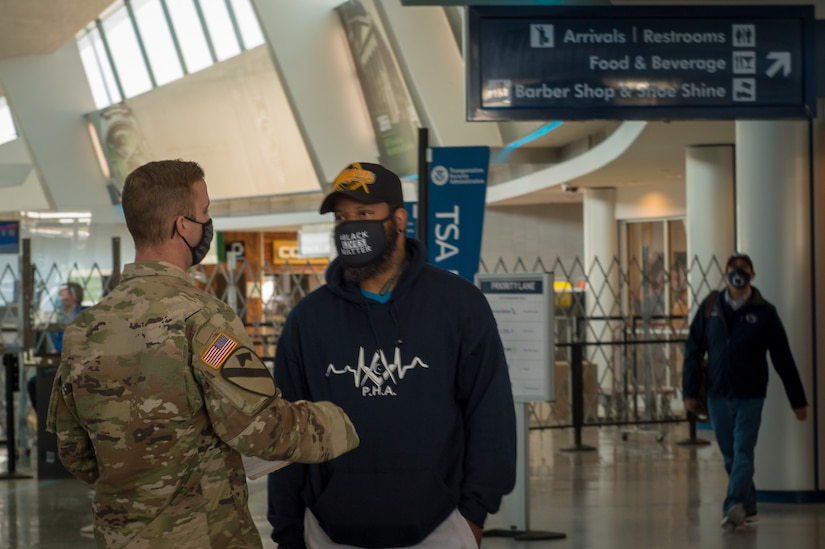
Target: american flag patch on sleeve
[217, 353]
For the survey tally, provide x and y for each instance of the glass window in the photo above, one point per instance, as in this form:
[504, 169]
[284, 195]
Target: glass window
[647, 270]
[128, 60]
[157, 40]
[188, 29]
[98, 71]
[657, 265]
[248, 23]
[7, 130]
[678, 266]
[656, 258]
[130, 70]
[220, 28]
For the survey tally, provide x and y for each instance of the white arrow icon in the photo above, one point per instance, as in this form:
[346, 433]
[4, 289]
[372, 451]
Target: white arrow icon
[781, 60]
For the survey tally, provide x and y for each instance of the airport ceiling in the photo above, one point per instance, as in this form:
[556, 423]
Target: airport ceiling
[36, 27]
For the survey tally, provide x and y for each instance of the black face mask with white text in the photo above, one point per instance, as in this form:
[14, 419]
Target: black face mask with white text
[360, 243]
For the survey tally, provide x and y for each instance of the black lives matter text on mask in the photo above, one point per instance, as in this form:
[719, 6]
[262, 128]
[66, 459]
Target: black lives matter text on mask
[354, 243]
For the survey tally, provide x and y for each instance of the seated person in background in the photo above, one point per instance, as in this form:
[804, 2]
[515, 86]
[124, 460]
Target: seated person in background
[71, 299]
[70, 295]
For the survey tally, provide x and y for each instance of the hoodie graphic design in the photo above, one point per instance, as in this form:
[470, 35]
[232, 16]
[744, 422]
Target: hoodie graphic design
[380, 377]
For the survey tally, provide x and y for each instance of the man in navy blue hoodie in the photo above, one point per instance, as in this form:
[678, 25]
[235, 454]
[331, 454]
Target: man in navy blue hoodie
[741, 328]
[412, 353]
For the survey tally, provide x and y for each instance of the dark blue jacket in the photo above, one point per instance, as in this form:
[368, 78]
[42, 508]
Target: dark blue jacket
[737, 343]
[425, 382]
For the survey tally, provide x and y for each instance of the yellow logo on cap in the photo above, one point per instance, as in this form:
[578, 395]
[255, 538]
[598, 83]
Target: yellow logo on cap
[353, 178]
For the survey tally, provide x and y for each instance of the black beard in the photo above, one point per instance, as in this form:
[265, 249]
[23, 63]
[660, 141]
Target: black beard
[357, 275]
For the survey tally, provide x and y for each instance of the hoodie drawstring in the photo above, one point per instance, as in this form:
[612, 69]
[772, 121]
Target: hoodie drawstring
[395, 315]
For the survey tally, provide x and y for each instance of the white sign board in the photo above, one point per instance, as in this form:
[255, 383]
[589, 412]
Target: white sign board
[522, 304]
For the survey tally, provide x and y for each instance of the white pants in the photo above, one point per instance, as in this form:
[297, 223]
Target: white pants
[453, 533]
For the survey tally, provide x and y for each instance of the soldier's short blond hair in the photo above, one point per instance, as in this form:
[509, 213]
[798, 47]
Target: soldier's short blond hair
[154, 194]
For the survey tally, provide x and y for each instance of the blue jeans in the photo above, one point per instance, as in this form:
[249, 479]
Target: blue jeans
[736, 425]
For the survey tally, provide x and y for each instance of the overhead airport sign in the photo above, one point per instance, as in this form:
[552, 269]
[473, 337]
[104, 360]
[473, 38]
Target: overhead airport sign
[643, 63]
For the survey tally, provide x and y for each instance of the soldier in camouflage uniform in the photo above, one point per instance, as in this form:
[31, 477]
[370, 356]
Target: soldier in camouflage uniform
[159, 392]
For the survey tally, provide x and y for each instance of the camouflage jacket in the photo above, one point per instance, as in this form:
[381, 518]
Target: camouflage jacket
[158, 393]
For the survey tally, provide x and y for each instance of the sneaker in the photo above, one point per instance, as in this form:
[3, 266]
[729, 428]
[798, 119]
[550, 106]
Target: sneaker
[752, 519]
[734, 516]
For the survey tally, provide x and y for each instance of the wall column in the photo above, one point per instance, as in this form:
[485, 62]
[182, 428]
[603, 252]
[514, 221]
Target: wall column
[711, 217]
[774, 226]
[601, 264]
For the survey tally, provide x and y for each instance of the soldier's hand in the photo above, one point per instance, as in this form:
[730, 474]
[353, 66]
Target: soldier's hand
[691, 405]
[335, 433]
[801, 413]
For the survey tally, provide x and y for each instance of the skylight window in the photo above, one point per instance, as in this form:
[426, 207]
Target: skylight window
[135, 47]
[8, 131]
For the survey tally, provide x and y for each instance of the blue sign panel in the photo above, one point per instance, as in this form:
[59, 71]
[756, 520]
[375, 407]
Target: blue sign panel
[662, 62]
[412, 219]
[9, 237]
[457, 191]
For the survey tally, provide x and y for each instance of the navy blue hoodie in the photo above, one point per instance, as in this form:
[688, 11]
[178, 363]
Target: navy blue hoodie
[737, 343]
[424, 379]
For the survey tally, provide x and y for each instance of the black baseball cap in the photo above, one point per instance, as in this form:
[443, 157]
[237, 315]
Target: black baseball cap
[744, 257]
[367, 183]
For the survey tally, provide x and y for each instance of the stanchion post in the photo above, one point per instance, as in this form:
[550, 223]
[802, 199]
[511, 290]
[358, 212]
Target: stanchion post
[577, 388]
[423, 189]
[692, 440]
[13, 357]
[115, 278]
[10, 360]
[516, 505]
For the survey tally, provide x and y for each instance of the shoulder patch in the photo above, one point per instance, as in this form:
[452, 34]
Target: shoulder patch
[245, 369]
[217, 353]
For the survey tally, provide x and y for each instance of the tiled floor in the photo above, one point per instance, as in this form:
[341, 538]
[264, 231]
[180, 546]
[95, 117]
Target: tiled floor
[635, 493]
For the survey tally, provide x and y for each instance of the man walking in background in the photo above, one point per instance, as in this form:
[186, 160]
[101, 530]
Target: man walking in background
[741, 328]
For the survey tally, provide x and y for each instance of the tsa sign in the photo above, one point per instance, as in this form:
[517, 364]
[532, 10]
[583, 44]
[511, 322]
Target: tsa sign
[457, 193]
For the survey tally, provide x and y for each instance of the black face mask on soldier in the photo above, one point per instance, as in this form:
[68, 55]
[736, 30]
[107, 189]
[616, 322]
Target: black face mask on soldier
[360, 243]
[202, 248]
[739, 278]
